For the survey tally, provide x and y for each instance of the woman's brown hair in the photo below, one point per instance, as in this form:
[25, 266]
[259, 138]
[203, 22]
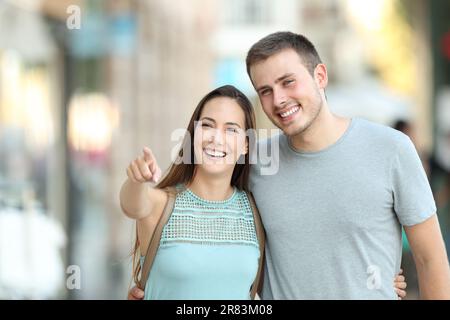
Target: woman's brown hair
[183, 169]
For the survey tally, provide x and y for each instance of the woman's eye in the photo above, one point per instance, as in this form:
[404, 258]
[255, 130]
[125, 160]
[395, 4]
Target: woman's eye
[206, 125]
[232, 130]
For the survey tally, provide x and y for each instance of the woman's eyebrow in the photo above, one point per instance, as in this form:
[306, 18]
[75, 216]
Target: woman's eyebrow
[214, 121]
[206, 118]
[233, 124]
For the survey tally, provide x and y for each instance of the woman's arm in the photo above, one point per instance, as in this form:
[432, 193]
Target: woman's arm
[137, 198]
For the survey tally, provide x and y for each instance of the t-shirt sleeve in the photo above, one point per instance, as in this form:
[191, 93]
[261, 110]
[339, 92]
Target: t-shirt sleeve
[413, 198]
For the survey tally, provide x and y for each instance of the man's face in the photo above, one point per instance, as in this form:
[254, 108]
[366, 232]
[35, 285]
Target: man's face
[289, 95]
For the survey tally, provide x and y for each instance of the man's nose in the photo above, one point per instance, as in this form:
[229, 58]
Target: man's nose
[279, 98]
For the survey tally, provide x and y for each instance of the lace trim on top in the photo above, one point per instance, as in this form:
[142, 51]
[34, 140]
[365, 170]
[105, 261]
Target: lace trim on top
[199, 221]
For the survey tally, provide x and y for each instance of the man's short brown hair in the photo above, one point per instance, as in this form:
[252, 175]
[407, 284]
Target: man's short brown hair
[278, 41]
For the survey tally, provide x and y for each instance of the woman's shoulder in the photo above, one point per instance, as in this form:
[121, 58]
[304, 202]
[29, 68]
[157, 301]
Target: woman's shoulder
[243, 199]
[158, 197]
[158, 194]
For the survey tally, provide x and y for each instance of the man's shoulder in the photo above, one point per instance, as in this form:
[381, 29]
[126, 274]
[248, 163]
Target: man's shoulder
[376, 133]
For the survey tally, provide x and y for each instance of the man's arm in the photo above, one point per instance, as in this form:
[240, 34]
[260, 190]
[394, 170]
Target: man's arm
[431, 259]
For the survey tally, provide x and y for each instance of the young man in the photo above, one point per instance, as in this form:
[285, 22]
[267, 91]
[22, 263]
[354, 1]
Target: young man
[334, 210]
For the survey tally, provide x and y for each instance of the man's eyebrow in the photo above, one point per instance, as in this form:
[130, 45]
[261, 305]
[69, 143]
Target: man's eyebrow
[287, 75]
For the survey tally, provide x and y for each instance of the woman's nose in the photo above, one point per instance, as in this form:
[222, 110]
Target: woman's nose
[217, 137]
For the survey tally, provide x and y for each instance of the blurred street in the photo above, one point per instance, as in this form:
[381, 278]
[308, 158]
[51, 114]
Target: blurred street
[85, 84]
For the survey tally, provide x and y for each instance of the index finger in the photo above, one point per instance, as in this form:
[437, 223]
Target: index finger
[148, 154]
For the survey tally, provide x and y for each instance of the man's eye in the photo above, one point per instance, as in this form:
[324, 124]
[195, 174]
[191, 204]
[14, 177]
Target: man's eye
[265, 92]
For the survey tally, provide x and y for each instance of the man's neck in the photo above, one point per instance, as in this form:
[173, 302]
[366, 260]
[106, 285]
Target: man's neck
[323, 132]
[211, 188]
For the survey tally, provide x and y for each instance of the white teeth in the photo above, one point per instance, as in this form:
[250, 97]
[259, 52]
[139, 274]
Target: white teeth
[288, 113]
[214, 153]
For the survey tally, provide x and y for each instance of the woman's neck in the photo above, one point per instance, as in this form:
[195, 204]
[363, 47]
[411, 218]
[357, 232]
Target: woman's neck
[211, 188]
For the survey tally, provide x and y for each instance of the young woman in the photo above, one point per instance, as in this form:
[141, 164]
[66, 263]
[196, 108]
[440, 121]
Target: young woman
[209, 247]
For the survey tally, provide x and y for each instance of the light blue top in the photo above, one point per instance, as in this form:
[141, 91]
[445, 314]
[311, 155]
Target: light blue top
[208, 250]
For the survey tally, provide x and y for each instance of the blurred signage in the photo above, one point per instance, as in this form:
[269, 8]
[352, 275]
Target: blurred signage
[101, 35]
[92, 120]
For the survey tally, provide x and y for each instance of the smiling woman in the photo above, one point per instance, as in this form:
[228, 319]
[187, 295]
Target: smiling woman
[211, 241]
[219, 136]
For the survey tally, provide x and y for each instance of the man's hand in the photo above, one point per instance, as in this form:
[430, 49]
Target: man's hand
[400, 285]
[135, 294]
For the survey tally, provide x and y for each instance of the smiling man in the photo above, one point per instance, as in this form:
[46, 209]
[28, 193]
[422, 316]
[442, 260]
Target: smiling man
[333, 213]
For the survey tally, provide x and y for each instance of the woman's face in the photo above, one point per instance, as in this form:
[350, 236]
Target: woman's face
[219, 136]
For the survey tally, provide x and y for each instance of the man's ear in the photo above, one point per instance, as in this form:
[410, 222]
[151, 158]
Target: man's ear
[321, 76]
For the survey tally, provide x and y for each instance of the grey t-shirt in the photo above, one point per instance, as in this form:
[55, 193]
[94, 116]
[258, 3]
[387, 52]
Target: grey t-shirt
[333, 218]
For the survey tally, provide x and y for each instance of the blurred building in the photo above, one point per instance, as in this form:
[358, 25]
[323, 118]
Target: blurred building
[78, 103]
[157, 89]
[438, 13]
[32, 165]
[241, 23]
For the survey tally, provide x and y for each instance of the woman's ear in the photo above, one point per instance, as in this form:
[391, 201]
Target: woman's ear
[246, 147]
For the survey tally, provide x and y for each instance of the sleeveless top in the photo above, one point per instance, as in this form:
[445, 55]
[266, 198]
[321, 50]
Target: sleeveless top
[208, 250]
